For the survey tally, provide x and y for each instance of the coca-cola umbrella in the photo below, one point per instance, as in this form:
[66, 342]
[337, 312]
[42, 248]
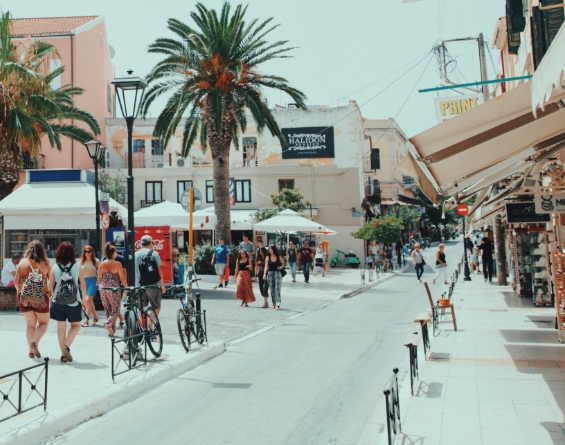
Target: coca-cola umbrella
[173, 215]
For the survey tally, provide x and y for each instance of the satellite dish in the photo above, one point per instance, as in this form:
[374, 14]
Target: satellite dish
[197, 200]
[112, 51]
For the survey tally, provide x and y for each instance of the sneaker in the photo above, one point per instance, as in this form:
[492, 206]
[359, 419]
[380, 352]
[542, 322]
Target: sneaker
[226, 283]
[307, 282]
[221, 285]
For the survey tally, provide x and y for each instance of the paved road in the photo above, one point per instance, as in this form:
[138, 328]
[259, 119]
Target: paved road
[314, 379]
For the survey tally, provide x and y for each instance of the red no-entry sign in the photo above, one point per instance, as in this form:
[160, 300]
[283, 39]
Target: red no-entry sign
[462, 210]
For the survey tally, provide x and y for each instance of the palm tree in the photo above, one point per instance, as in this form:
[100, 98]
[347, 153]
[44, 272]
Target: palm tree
[29, 107]
[212, 73]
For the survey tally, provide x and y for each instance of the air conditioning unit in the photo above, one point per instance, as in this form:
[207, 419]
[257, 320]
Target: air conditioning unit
[180, 162]
[160, 164]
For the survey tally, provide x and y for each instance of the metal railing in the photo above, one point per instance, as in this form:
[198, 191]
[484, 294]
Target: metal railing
[29, 163]
[21, 404]
[150, 202]
[131, 360]
[413, 349]
[392, 398]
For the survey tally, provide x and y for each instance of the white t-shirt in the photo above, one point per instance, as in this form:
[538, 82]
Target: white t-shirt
[7, 274]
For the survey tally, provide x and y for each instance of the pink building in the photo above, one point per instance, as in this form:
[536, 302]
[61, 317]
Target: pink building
[83, 46]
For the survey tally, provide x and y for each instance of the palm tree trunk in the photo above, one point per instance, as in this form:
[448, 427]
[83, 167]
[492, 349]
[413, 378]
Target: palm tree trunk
[221, 174]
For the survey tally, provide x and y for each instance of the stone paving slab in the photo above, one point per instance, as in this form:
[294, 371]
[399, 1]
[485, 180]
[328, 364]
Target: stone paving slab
[499, 379]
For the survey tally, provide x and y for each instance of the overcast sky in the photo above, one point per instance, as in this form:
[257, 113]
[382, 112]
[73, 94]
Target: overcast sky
[344, 46]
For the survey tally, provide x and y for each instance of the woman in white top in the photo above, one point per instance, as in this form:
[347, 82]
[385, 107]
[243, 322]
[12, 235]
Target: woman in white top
[66, 305]
[89, 267]
[418, 260]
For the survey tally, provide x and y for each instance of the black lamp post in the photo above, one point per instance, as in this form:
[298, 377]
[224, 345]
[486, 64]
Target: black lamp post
[95, 151]
[131, 89]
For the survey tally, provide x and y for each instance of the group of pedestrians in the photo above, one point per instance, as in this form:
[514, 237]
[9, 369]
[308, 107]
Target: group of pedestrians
[483, 248]
[381, 255]
[65, 290]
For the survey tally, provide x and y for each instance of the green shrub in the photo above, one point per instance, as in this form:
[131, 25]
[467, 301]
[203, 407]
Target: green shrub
[203, 259]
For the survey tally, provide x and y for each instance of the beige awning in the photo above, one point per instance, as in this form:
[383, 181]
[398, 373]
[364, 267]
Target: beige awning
[410, 167]
[499, 135]
[548, 78]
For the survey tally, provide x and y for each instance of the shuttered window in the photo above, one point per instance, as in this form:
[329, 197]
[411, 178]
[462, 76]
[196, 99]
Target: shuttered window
[545, 25]
[375, 159]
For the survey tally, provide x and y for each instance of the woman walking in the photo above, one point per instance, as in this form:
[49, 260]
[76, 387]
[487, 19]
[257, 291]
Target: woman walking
[475, 260]
[110, 274]
[242, 277]
[89, 267]
[418, 260]
[259, 271]
[66, 302]
[32, 285]
[273, 275]
[441, 265]
[291, 260]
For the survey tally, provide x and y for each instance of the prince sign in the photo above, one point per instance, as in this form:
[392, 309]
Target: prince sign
[550, 203]
[308, 142]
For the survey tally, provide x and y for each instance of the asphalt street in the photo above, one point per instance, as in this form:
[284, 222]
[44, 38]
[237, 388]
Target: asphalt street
[313, 379]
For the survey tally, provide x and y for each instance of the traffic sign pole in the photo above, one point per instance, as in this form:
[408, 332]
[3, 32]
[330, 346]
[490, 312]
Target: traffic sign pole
[463, 211]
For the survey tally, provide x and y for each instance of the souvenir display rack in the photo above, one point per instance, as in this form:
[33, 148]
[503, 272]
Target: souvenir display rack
[559, 277]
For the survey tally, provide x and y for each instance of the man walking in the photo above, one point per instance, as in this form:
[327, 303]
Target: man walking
[220, 259]
[305, 256]
[148, 272]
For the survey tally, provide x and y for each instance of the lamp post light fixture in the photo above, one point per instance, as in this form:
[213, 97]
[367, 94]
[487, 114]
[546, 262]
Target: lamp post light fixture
[96, 151]
[131, 90]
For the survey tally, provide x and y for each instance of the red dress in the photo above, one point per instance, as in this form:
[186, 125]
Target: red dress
[24, 307]
[244, 287]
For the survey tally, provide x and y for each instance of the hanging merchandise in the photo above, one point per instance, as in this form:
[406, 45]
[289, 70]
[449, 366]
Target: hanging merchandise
[559, 277]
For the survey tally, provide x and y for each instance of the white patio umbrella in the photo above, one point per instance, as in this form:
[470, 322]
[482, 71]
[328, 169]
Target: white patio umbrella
[288, 220]
[172, 214]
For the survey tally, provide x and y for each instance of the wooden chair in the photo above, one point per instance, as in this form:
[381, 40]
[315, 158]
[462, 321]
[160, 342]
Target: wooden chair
[435, 309]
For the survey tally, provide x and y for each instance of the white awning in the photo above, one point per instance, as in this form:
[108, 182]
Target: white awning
[287, 220]
[549, 76]
[53, 205]
[172, 214]
[240, 219]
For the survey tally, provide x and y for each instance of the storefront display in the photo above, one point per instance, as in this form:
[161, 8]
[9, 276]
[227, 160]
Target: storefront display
[18, 240]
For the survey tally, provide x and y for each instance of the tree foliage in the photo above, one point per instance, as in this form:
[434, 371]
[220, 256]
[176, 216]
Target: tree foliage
[290, 199]
[406, 214]
[114, 184]
[435, 213]
[264, 213]
[385, 229]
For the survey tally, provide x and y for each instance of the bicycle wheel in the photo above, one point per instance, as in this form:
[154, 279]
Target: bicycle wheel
[131, 329]
[183, 329]
[154, 334]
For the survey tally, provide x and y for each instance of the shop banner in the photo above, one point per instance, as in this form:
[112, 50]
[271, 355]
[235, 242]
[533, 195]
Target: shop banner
[161, 244]
[453, 106]
[550, 203]
[232, 191]
[308, 142]
[524, 212]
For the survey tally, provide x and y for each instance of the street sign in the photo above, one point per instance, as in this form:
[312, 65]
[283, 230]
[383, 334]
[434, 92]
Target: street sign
[462, 210]
[197, 200]
[104, 197]
[105, 221]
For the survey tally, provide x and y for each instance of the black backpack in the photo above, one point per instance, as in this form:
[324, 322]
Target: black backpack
[148, 270]
[66, 291]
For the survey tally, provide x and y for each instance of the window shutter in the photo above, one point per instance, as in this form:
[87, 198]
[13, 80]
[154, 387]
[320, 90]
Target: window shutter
[553, 19]
[537, 36]
[545, 26]
[375, 159]
[515, 23]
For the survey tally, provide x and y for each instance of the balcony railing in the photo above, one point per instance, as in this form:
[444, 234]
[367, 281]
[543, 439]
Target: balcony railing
[149, 203]
[30, 163]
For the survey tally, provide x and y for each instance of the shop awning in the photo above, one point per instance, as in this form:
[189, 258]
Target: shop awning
[501, 134]
[287, 220]
[172, 214]
[410, 167]
[240, 219]
[548, 77]
[53, 205]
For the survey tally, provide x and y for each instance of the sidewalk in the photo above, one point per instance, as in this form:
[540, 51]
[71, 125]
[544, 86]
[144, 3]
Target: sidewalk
[83, 389]
[500, 379]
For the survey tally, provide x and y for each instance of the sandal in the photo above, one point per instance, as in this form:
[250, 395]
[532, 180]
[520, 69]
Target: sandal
[121, 325]
[31, 355]
[33, 347]
[94, 321]
[64, 359]
[67, 353]
[265, 306]
[86, 323]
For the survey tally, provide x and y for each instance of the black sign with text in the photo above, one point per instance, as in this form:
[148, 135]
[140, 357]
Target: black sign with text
[524, 212]
[308, 142]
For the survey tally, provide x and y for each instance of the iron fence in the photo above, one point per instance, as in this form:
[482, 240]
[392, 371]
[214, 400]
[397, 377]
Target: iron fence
[23, 374]
[132, 355]
[392, 398]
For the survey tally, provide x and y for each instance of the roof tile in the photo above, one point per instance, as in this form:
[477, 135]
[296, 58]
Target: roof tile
[49, 25]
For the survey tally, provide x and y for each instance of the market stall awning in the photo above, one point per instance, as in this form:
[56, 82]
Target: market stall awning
[240, 219]
[172, 214]
[287, 220]
[410, 167]
[548, 77]
[53, 205]
[492, 137]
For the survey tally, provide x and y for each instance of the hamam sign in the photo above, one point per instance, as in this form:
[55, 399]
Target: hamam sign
[308, 142]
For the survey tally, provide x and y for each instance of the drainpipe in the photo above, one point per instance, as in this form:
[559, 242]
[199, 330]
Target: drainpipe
[72, 120]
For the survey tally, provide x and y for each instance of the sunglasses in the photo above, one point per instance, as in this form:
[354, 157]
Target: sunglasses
[88, 251]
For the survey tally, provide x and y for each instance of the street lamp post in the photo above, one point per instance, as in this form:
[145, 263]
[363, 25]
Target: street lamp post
[131, 89]
[95, 151]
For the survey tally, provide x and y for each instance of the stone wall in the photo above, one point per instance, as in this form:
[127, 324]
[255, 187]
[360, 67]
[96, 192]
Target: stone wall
[8, 299]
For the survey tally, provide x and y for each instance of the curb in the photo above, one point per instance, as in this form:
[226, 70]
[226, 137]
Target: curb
[378, 281]
[56, 422]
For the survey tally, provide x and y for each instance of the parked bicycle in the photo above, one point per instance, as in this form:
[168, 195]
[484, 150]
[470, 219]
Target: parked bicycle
[191, 320]
[140, 325]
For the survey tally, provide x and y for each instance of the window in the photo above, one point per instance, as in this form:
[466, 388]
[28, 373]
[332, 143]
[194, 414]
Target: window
[139, 145]
[55, 64]
[109, 98]
[181, 187]
[286, 184]
[408, 180]
[156, 147]
[249, 149]
[375, 159]
[209, 191]
[154, 191]
[243, 191]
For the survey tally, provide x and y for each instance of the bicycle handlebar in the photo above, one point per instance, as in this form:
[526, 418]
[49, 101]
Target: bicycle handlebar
[132, 289]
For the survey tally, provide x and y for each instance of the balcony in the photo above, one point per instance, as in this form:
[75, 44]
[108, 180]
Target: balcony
[29, 163]
[147, 203]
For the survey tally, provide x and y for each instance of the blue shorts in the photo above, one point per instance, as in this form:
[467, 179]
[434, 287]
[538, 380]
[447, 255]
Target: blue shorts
[91, 287]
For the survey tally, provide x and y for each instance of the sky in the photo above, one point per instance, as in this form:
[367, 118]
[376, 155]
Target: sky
[346, 50]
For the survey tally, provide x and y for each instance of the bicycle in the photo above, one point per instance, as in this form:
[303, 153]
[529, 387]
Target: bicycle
[191, 320]
[140, 322]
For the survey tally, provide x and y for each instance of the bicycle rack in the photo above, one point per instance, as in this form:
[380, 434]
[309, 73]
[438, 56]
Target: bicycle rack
[21, 408]
[130, 362]
[392, 398]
